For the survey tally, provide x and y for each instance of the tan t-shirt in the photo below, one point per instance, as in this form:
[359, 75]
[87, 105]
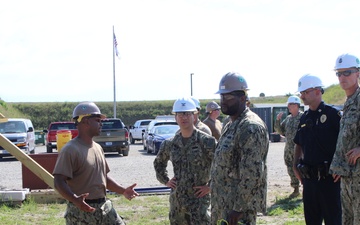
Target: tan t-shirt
[85, 166]
[215, 127]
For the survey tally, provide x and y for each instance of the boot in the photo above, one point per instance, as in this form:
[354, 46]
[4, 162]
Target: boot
[295, 193]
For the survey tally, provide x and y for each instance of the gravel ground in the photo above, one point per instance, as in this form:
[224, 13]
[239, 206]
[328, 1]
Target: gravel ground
[138, 168]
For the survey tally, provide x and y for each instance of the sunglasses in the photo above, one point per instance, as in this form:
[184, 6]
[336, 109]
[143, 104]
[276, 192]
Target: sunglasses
[346, 73]
[231, 95]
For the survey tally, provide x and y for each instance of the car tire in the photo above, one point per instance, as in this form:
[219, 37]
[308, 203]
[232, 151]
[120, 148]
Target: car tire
[48, 149]
[125, 152]
[148, 150]
[154, 151]
[132, 141]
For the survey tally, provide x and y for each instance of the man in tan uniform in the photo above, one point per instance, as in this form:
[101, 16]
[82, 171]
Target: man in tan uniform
[213, 112]
[81, 173]
[197, 122]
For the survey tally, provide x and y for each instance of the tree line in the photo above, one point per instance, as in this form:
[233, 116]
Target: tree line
[43, 113]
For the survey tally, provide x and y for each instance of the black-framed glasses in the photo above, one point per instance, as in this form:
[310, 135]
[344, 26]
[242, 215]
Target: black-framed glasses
[346, 73]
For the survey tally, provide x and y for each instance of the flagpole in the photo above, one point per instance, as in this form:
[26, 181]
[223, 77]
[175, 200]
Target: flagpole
[113, 44]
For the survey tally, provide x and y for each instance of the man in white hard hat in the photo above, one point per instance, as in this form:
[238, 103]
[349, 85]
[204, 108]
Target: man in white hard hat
[197, 122]
[213, 112]
[191, 153]
[345, 164]
[288, 127]
[81, 173]
[315, 144]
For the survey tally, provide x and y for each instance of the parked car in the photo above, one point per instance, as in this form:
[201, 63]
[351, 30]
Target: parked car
[165, 117]
[52, 130]
[20, 132]
[157, 135]
[153, 124]
[114, 136]
[136, 132]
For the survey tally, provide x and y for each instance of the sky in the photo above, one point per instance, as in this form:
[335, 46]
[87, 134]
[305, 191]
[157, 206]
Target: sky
[62, 51]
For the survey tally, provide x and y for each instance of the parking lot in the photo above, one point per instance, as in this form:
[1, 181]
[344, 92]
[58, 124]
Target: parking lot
[138, 168]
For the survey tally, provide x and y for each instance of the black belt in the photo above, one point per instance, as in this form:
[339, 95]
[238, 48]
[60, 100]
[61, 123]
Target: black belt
[99, 200]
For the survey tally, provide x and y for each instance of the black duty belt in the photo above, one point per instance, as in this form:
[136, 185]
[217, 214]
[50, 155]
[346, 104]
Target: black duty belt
[98, 200]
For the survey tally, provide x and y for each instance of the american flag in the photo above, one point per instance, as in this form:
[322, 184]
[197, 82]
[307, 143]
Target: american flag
[115, 47]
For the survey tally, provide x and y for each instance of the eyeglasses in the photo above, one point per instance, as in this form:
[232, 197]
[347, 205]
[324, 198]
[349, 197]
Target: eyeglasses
[346, 73]
[184, 114]
[307, 91]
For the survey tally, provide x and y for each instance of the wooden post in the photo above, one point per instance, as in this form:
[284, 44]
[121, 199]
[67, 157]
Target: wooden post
[31, 164]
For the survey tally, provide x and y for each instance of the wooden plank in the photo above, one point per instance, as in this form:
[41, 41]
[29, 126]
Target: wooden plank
[26, 160]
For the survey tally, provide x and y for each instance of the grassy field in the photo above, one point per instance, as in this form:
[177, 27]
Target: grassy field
[144, 210]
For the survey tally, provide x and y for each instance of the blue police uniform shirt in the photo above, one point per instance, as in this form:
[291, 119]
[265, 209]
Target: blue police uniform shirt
[317, 134]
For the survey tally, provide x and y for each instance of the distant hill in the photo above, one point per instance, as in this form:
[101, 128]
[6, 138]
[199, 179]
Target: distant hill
[42, 113]
[333, 95]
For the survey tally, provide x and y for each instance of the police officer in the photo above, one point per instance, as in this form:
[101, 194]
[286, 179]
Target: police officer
[345, 163]
[191, 153]
[315, 143]
[239, 171]
[213, 112]
[197, 122]
[288, 127]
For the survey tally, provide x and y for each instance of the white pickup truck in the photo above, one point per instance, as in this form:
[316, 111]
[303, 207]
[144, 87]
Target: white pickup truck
[136, 131]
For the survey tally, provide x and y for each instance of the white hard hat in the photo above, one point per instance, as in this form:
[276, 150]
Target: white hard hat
[197, 103]
[346, 61]
[309, 81]
[294, 99]
[184, 105]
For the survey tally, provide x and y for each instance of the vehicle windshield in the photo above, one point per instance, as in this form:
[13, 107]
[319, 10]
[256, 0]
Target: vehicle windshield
[166, 129]
[65, 126]
[12, 127]
[111, 124]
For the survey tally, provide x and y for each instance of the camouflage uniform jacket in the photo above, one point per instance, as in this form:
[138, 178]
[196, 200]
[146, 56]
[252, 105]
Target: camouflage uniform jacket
[288, 127]
[239, 170]
[191, 163]
[349, 137]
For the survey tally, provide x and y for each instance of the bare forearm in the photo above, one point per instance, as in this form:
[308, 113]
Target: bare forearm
[112, 185]
[64, 190]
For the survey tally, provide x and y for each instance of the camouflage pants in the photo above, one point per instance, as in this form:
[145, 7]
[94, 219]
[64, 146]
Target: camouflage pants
[249, 219]
[104, 214]
[289, 158]
[193, 212]
[350, 200]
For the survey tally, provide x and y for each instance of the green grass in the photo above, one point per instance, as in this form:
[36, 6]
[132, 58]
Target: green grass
[144, 210]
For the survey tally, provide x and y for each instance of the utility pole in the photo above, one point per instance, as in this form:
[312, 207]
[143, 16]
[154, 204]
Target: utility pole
[191, 74]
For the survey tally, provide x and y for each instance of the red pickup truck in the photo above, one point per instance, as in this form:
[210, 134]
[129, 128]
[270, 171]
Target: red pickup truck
[52, 130]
